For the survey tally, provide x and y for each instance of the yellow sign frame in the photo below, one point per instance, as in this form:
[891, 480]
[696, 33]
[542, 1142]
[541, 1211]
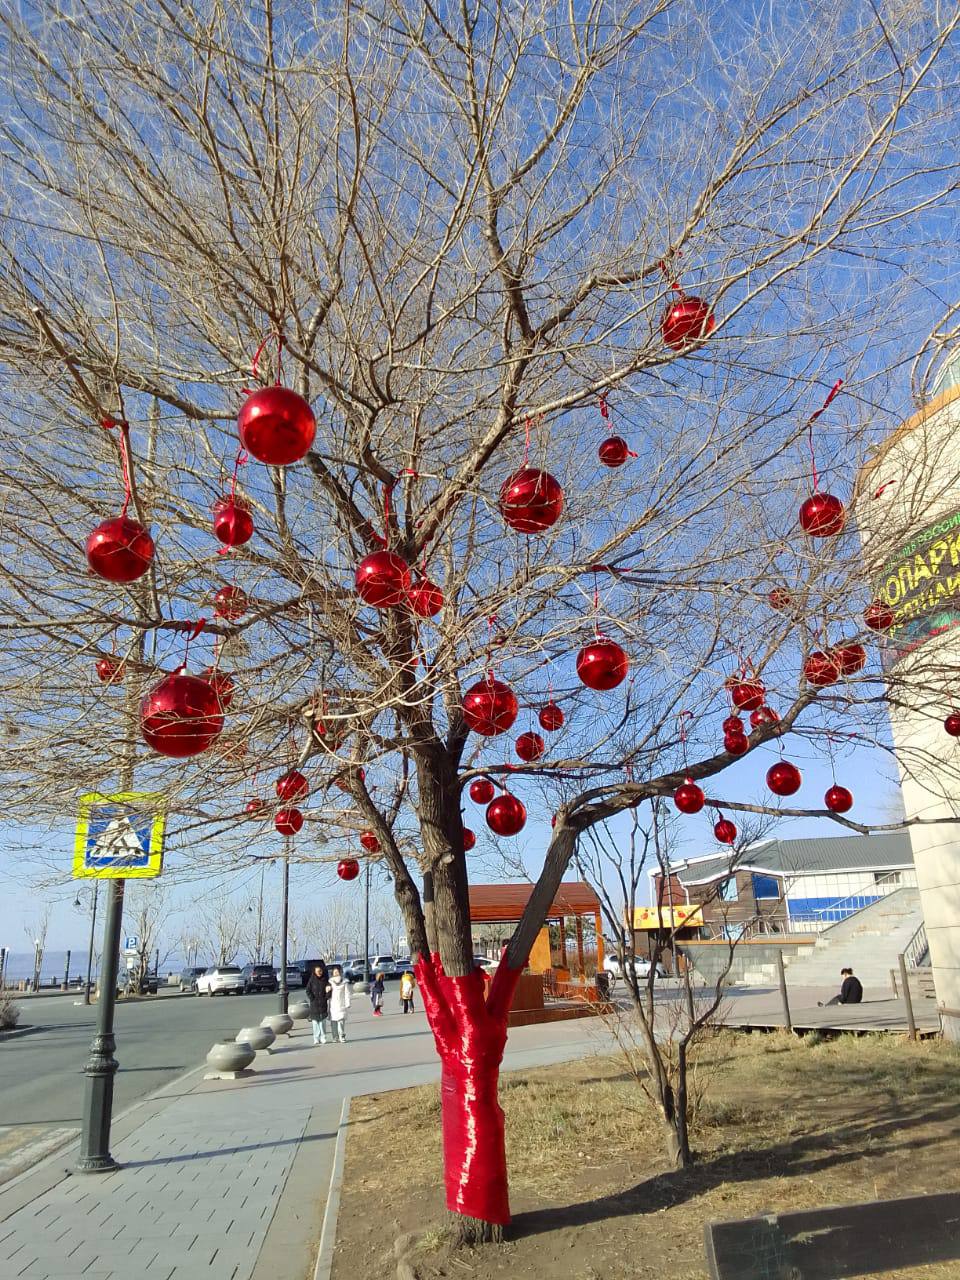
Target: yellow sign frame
[683, 916]
[131, 800]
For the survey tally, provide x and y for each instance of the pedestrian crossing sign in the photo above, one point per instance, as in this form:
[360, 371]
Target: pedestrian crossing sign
[119, 837]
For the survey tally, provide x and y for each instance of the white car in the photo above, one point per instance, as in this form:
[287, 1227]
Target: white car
[485, 963]
[611, 965]
[221, 979]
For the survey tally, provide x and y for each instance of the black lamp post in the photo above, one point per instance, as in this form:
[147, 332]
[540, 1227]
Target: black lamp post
[101, 1066]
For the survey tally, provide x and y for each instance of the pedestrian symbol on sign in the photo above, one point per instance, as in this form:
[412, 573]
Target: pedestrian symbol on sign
[119, 837]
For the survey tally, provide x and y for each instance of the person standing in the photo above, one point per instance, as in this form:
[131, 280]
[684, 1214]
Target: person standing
[376, 995]
[318, 995]
[339, 996]
[407, 985]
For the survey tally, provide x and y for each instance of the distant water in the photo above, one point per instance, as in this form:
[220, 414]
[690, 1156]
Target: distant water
[20, 965]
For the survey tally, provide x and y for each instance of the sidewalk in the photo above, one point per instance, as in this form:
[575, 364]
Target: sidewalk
[227, 1179]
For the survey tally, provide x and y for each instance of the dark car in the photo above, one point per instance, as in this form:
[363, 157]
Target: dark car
[188, 978]
[259, 977]
[305, 967]
[127, 984]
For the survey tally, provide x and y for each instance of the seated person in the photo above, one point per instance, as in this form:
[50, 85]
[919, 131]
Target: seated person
[851, 992]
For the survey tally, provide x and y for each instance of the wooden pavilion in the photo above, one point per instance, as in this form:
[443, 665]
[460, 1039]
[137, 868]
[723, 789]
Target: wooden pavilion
[505, 903]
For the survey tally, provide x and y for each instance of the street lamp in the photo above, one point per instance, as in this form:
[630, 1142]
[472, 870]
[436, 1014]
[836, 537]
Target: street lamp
[93, 926]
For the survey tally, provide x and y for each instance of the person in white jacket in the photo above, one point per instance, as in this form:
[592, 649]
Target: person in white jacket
[339, 992]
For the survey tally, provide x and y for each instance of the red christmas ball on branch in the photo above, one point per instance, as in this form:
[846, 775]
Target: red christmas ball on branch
[276, 425]
[686, 321]
[292, 786]
[550, 717]
[369, 842]
[529, 747]
[732, 724]
[232, 522]
[181, 716]
[736, 743]
[879, 616]
[120, 550]
[784, 778]
[490, 707]
[383, 580]
[506, 815]
[725, 831]
[822, 515]
[851, 658]
[821, 669]
[253, 807]
[482, 790]
[746, 695]
[531, 500]
[110, 670]
[222, 684]
[952, 724]
[780, 599]
[688, 797]
[425, 599]
[602, 665]
[762, 716]
[838, 799]
[288, 821]
[230, 603]
[614, 451]
[348, 868]
[469, 839]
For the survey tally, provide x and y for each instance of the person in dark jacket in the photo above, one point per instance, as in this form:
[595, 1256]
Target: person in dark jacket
[376, 995]
[318, 994]
[851, 992]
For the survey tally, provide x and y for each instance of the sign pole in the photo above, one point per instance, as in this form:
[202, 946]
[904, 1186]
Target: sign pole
[285, 914]
[102, 1066]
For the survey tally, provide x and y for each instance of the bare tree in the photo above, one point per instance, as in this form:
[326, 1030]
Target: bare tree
[36, 930]
[461, 234]
[147, 912]
[220, 924]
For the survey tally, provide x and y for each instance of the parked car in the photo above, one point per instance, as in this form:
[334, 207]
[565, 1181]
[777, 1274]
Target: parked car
[259, 977]
[484, 962]
[303, 968]
[221, 979]
[385, 965]
[127, 984]
[188, 978]
[294, 977]
[611, 965]
[353, 969]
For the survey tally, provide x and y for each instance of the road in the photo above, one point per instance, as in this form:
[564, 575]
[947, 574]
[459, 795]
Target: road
[41, 1080]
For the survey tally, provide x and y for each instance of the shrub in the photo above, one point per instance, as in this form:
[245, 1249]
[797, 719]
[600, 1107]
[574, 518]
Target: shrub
[9, 1013]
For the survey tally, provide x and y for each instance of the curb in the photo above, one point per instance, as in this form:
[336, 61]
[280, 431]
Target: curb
[15, 1032]
[328, 1230]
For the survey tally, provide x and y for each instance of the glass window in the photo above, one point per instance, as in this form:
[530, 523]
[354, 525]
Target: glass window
[765, 887]
[728, 890]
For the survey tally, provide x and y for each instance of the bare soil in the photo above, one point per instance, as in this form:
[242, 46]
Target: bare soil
[782, 1124]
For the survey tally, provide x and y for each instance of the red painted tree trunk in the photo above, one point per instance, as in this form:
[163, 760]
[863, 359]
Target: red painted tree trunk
[469, 1025]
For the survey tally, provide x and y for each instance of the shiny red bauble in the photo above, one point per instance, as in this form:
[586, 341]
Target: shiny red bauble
[822, 515]
[850, 658]
[120, 550]
[369, 842]
[736, 743]
[482, 790]
[276, 425]
[602, 665]
[732, 724]
[688, 797]
[469, 839]
[425, 598]
[232, 522]
[725, 831]
[292, 786]
[181, 716]
[613, 451]
[109, 670]
[529, 747]
[222, 684]
[780, 598]
[550, 717]
[383, 580]
[348, 868]
[506, 815]
[531, 500]
[838, 799]
[952, 724]
[490, 707]
[746, 695]
[879, 616]
[821, 669]
[253, 807]
[288, 821]
[762, 716]
[686, 321]
[784, 778]
[230, 603]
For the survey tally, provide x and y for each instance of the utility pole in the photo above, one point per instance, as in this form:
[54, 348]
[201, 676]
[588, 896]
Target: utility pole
[3, 967]
[285, 918]
[263, 868]
[93, 927]
[66, 972]
[366, 924]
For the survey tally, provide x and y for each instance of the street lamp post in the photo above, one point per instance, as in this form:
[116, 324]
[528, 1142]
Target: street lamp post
[285, 916]
[93, 928]
[101, 1066]
[366, 925]
[36, 964]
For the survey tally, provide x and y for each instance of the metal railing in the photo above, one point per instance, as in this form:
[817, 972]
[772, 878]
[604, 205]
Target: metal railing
[854, 902]
[915, 952]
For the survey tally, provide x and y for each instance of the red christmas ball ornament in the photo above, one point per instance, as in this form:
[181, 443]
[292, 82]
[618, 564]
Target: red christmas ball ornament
[725, 831]
[292, 786]
[762, 716]
[746, 695]
[120, 550]
[838, 799]
[110, 670]
[232, 522]
[822, 515]
[253, 807]
[784, 778]
[469, 839]
[490, 707]
[531, 500]
[602, 665]
[425, 598]
[780, 599]
[550, 717]
[529, 747]
[821, 669]
[688, 797]
[614, 451]
[506, 815]
[850, 658]
[383, 580]
[181, 716]
[369, 842]
[952, 724]
[686, 321]
[348, 868]
[230, 603]
[879, 616]
[288, 821]
[736, 743]
[732, 724]
[482, 790]
[222, 684]
[277, 426]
